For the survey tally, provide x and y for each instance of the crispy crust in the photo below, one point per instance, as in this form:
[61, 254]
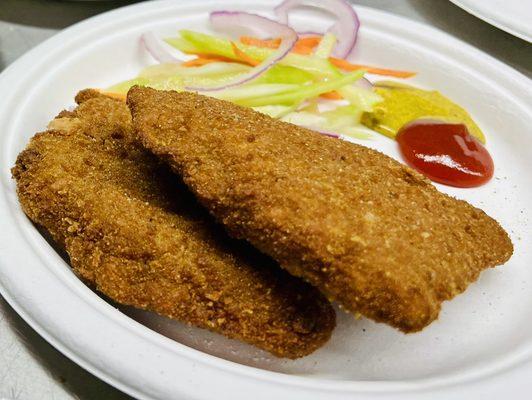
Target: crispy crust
[366, 230]
[133, 231]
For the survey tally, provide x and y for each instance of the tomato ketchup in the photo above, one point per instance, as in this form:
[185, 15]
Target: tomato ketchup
[445, 153]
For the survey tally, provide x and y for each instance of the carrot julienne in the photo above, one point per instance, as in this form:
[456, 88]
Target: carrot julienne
[302, 46]
[346, 65]
[203, 59]
[307, 45]
[334, 95]
[243, 56]
[304, 50]
[253, 41]
[310, 41]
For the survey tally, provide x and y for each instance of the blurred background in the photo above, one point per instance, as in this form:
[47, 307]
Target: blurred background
[32, 369]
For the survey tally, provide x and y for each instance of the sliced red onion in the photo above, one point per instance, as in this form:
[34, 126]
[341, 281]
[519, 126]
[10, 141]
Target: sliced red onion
[323, 132]
[156, 48]
[364, 83]
[345, 29]
[307, 34]
[224, 20]
[329, 134]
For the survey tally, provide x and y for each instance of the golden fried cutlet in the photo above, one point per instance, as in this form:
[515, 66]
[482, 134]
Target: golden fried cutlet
[134, 232]
[369, 232]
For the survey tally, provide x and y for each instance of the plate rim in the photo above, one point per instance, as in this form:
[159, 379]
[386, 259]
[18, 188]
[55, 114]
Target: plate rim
[526, 36]
[93, 21]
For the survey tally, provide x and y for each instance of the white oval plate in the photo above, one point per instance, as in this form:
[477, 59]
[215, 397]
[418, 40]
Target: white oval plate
[512, 16]
[482, 343]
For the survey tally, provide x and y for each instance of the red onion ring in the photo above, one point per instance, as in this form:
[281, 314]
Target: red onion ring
[308, 34]
[225, 19]
[156, 48]
[322, 132]
[328, 134]
[345, 29]
[364, 83]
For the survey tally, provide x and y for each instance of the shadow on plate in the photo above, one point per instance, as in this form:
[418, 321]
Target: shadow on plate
[201, 339]
[3, 63]
[74, 379]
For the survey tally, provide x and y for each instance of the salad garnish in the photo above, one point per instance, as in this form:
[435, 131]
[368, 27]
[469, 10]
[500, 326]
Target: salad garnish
[305, 78]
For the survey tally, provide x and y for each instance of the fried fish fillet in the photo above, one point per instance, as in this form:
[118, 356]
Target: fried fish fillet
[369, 232]
[134, 232]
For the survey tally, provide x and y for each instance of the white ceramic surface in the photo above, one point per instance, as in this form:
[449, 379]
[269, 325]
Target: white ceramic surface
[482, 343]
[512, 16]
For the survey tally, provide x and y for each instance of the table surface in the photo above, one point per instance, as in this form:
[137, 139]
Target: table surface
[32, 369]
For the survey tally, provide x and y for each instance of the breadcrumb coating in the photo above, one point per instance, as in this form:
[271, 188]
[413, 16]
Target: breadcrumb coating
[134, 232]
[368, 231]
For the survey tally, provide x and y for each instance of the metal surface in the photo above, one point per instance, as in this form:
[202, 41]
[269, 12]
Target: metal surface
[29, 367]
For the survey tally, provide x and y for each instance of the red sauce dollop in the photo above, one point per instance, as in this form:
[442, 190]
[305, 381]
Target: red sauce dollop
[445, 153]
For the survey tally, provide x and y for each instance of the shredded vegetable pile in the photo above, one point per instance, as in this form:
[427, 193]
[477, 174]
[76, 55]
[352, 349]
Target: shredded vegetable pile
[302, 78]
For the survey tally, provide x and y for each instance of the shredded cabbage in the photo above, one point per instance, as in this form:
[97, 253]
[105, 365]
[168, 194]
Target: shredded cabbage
[194, 42]
[306, 91]
[326, 46]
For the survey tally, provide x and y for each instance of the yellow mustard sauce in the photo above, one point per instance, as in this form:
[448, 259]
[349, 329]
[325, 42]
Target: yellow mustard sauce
[403, 103]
